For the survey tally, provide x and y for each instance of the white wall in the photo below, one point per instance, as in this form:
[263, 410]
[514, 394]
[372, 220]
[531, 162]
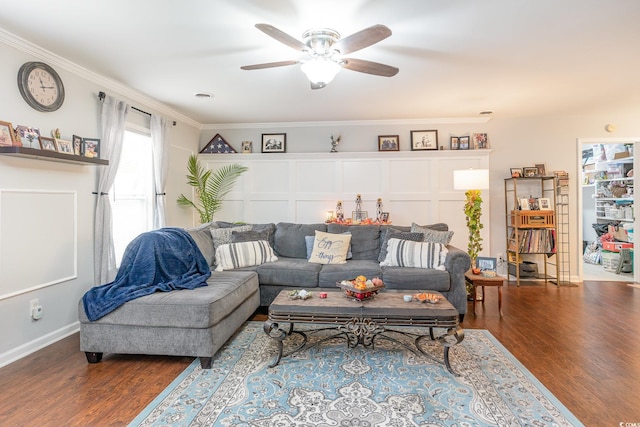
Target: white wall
[34, 182]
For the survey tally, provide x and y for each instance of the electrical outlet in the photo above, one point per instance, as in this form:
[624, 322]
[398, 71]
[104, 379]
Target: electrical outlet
[500, 257]
[35, 309]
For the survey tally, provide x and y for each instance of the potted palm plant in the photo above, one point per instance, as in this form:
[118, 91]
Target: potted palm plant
[210, 187]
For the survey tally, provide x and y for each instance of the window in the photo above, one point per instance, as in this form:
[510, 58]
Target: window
[131, 194]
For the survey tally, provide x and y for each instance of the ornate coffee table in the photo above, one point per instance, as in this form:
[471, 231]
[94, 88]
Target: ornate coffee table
[362, 322]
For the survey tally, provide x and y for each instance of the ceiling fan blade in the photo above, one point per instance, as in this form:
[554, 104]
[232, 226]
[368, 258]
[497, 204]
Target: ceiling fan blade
[369, 67]
[362, 39]
[269, 65]
[281, 36]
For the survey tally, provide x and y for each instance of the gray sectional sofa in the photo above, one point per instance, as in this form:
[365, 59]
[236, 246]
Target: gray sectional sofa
[198, 322]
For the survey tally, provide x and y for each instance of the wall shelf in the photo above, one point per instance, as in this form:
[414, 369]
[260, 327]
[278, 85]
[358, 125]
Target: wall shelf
[53, 156]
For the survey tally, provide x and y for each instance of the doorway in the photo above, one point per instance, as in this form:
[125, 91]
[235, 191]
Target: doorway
[606, 196]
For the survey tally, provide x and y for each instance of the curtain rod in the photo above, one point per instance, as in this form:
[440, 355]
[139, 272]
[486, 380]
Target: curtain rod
[102, 95]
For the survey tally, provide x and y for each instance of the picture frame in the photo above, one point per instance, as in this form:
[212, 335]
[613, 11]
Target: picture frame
[274, 142]
[91, 147]
[7, 135]
[384, 217]
[388, 143]
[480, 141]
[454, 143]
[29, 137]
[486, 263]
[516, 172]
[464, 142]
[76, 142]
[359, 216]
[424, 140]
[544, 203]
[541, 169]
[524, 204]
[65, 147]
[247, 147]
[530, 172]
[48, 144]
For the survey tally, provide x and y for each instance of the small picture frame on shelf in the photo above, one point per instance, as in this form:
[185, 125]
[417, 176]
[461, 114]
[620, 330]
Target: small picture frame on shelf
[516, 172]
[48, 144]
[424, 139]
[91, 147]
[530, 172]
[247, 147]
[486, 263]
[28, 136]
[524, 204]
[454, 143]
[7, 136]
[388, 143]
[359, 216]
[76, 142]
[384, 217]
[544, 204]
[274, 142]
[480, 141]
[464, 143]
[541, 169]
[65, 147]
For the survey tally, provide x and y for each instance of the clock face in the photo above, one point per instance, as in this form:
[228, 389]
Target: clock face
[40, 86]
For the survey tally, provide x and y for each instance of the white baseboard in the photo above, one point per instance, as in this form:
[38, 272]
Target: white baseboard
[37, 344]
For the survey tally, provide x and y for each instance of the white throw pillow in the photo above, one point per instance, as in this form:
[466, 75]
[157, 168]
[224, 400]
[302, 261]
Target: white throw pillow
[405, 253]
[330, 248]
[244, 254]
[222, 236]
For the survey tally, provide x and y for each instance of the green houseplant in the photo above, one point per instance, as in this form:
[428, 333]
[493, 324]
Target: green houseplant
[210, 187]
[473, 211]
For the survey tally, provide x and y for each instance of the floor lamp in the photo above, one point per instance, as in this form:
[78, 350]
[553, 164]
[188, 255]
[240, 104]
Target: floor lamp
[472, 180]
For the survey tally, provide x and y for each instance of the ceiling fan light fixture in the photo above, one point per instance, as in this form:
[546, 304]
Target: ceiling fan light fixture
[320, 70]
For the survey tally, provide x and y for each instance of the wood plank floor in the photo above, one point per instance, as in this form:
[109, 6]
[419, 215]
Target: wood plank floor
[580, 342]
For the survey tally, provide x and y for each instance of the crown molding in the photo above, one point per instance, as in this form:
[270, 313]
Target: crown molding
[104, 82]
[426, 121]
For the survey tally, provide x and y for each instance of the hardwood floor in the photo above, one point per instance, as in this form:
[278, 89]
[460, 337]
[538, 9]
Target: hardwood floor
[580, 342]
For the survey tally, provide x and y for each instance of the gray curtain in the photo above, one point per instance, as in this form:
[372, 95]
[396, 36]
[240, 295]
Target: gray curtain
[159, 150]
[113, 119]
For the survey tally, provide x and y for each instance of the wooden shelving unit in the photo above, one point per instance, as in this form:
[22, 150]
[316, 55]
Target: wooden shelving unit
[52, 156]
[531, 234]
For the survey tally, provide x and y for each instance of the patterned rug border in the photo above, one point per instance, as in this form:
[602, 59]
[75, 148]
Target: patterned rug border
[494, 341]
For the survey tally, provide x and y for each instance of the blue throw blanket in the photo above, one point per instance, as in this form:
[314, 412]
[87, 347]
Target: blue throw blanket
[159, 260]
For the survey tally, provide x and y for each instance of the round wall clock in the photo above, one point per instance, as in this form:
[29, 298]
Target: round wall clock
[40, 86]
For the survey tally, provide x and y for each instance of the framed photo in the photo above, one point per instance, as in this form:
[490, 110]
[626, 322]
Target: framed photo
[541, 169]
[485, 263]
[247, 147]
[516, 172]
[388, 143]
[384, 217]
[530, 172]
[464, 142]
[29, 137]
[48, 144]
[77, 145]
[91, 147]
[274, 142]
[64, 146]
[424, 139]
[480, 141]
[359, 216]
[544, 204]
[524, 204]
[454, 143]
[7, 137]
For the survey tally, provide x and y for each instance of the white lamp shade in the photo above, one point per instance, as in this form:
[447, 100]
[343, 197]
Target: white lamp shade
[320, 70]
[471, 179]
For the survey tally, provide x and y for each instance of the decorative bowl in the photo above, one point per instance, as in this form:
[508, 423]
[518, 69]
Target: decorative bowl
[429, 297]
[351, 291]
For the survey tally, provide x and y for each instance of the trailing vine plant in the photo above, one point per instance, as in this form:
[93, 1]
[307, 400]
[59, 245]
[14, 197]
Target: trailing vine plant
[210, 187]
[473, 211]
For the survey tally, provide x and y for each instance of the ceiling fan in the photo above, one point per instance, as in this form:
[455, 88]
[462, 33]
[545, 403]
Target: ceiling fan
[325, 49]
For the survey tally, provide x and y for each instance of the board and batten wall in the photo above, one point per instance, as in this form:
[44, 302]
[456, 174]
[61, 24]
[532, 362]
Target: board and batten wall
[302, 187]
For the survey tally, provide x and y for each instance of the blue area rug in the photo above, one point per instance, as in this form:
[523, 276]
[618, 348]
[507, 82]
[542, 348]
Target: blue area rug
[333, 385]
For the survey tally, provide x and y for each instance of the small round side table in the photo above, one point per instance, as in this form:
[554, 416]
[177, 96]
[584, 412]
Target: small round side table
[477, 280]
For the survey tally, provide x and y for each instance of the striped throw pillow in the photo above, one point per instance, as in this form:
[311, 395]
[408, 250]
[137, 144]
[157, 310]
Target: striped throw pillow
[405, 253]
[244, 254]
